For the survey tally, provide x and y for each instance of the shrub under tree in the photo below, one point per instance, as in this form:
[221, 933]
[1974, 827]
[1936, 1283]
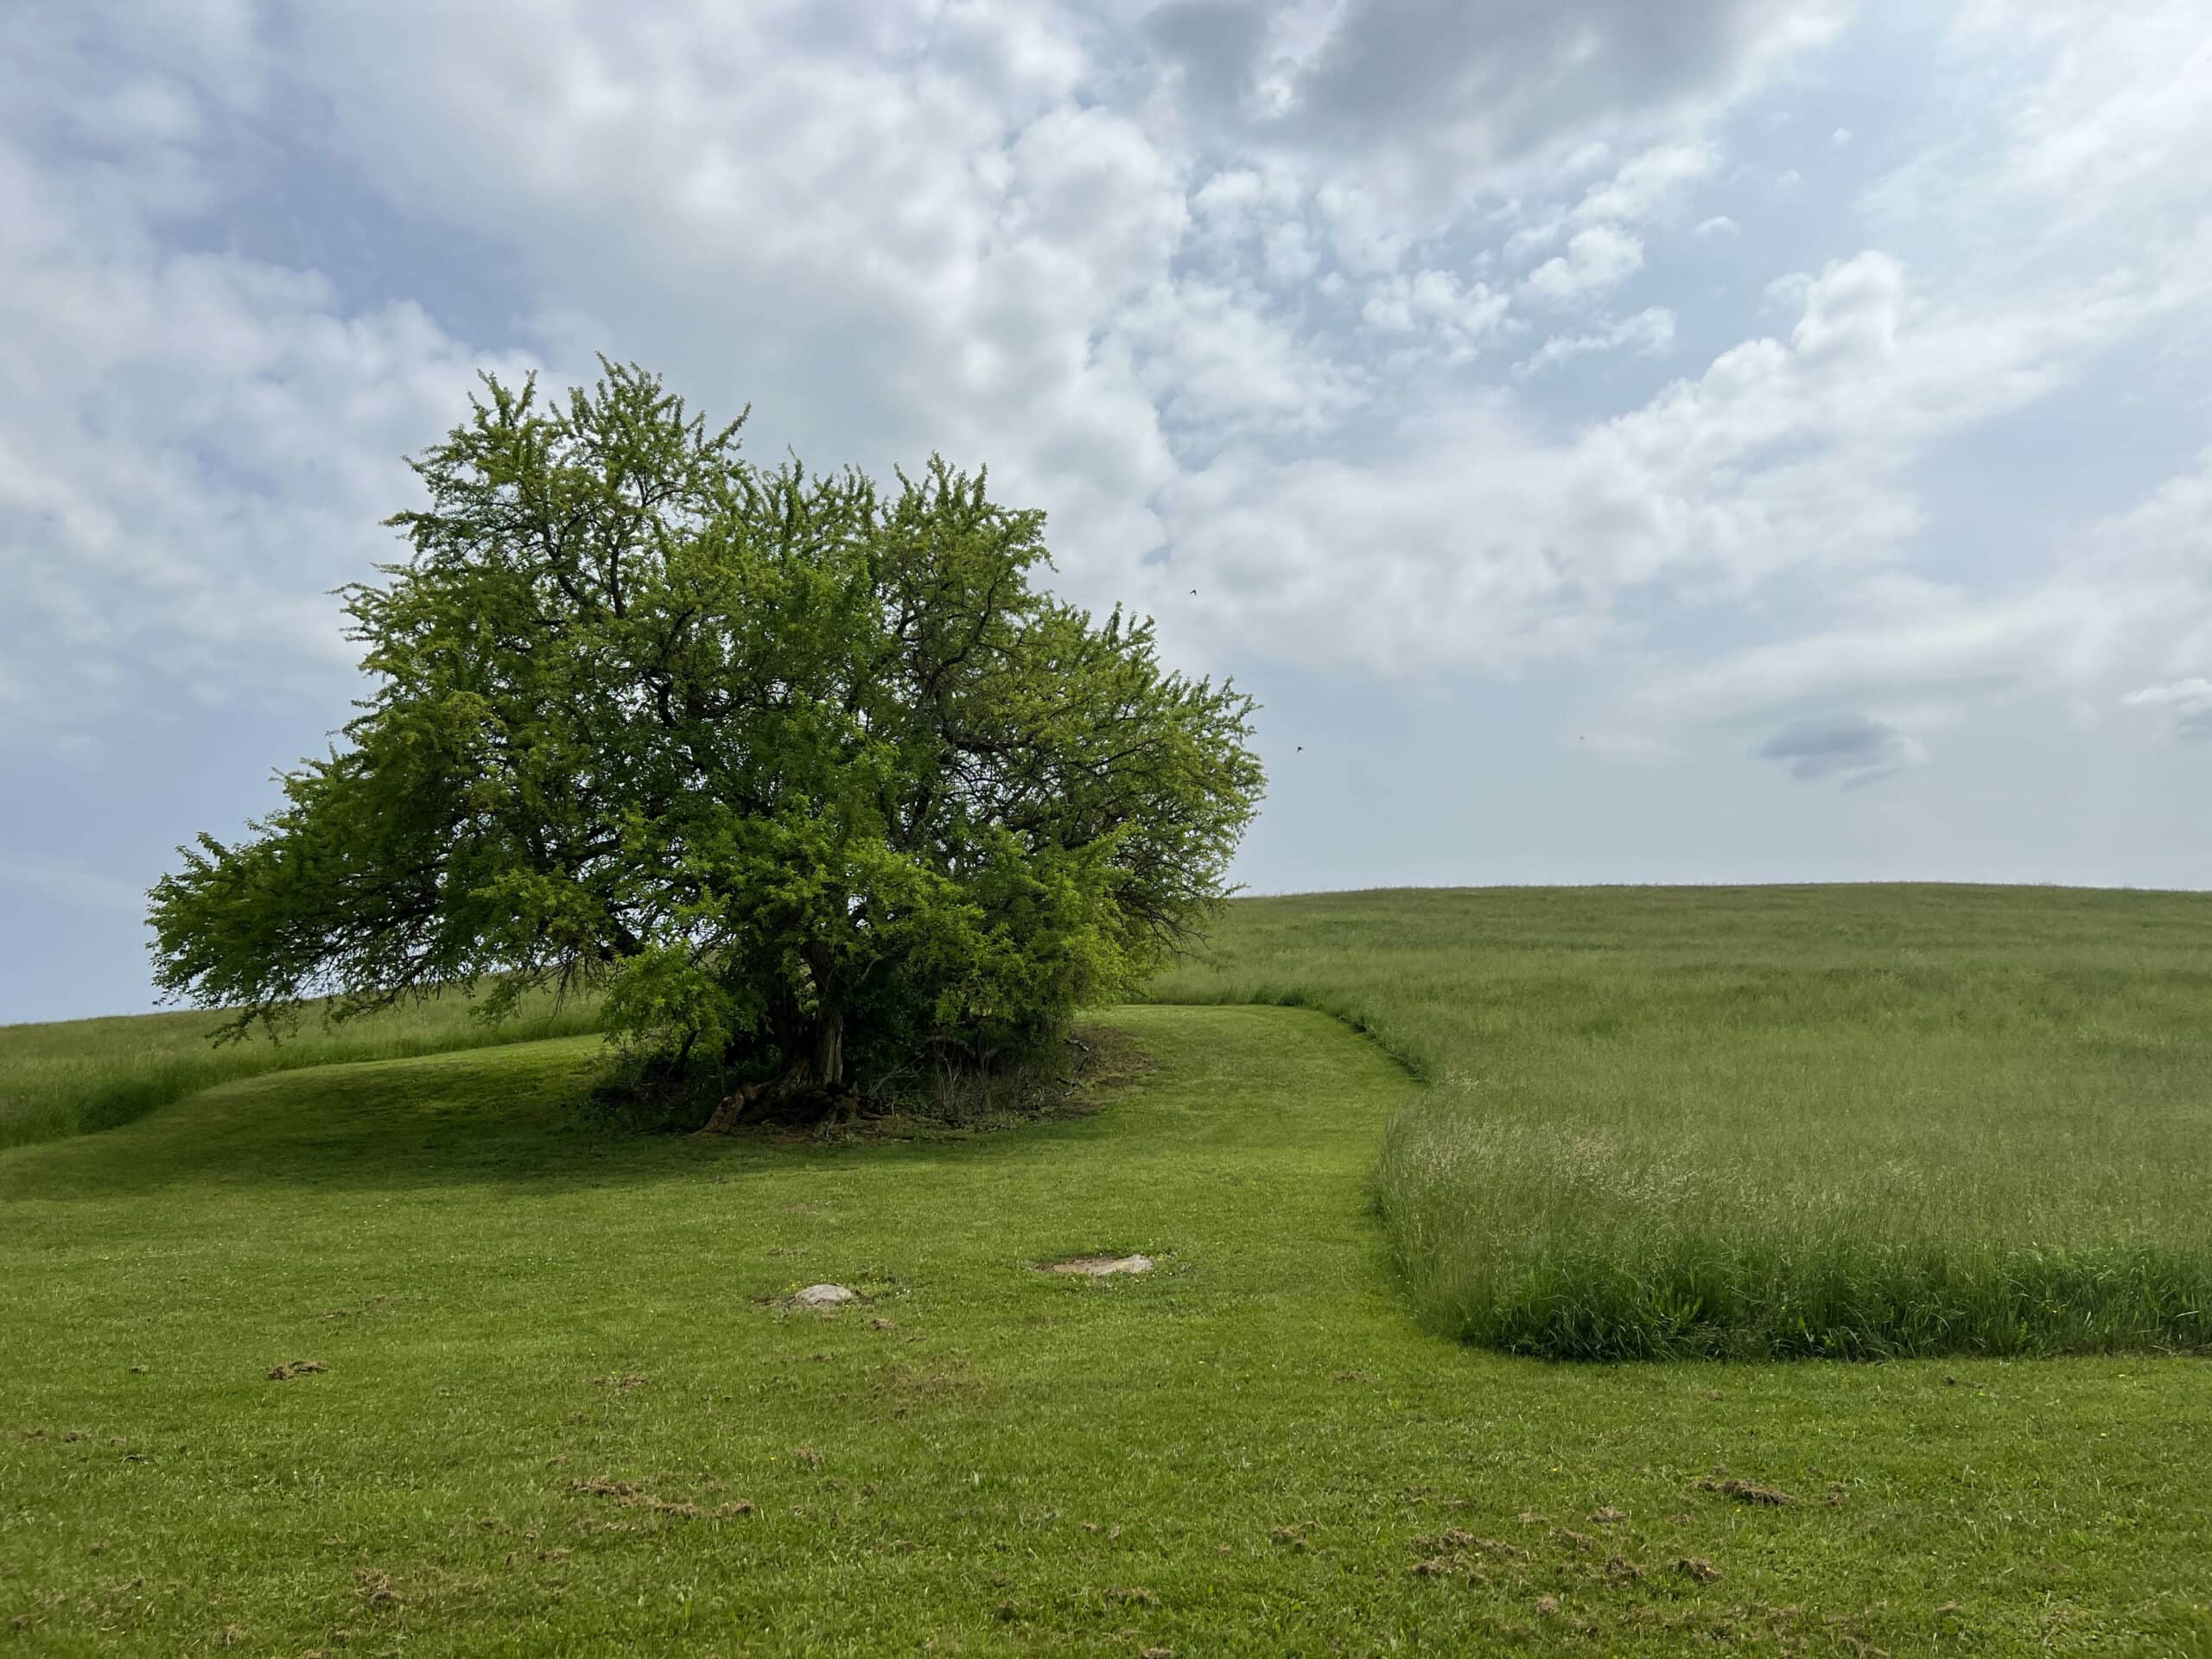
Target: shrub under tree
[807, 774]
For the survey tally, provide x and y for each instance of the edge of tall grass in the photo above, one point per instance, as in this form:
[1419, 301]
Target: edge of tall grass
[1486, 1260]
[1526, 1249]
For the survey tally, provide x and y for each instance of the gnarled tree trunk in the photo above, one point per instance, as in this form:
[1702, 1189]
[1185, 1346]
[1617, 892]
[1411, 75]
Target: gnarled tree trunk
[811, 1088]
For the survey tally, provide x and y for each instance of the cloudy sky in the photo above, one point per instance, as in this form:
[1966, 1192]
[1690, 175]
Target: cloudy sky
[1620, 443]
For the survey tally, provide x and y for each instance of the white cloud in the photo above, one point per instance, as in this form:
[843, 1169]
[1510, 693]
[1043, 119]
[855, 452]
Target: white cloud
[1651, 182]
[1650, 332]
[1945, 640]
[1781, 456]
[2114, 97]
[1649, 185]
[2135, 587]
[1460, 315]
[980, 228]
[1208, 358]
[1596, 259]
[198, 446]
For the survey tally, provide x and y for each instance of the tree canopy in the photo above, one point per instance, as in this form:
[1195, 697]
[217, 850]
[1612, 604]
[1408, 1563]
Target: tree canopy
[794, 766]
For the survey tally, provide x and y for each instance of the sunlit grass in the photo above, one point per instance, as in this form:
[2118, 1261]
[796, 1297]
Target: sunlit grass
[76, 1076]
[1851, 1121]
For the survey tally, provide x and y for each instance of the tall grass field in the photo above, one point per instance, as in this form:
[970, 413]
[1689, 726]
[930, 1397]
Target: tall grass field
[1850, 1123]
[73, 1077]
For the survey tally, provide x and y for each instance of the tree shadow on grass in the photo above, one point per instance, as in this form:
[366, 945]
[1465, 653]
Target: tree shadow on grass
[519, 1116]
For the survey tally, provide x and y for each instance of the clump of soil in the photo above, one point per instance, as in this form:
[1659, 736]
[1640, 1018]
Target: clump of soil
[1744, 1491]
[631, 1495]
[1100, 1266]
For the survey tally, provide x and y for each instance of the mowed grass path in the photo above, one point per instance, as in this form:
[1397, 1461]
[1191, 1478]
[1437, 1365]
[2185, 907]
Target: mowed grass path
[1252, 1450]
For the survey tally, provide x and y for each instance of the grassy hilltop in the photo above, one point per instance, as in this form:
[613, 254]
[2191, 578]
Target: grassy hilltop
[73, 1077]
[565, 1411]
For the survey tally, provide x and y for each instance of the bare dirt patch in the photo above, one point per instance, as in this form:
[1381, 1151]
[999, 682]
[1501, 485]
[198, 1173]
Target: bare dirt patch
[630, 1494]
[1100, 1266]
[899, 1389]
[290, 1369]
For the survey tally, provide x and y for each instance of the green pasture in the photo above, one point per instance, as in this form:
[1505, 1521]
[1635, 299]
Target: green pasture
[566, 1408]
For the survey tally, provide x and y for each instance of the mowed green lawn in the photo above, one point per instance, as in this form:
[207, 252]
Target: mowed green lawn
[558, 1417]
[1853, 1122]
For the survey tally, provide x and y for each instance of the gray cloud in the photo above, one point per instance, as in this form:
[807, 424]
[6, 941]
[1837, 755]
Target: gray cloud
[1851, 748]
[1216, 45]
[2187, 706]
[1535, 67]
[1494, 80]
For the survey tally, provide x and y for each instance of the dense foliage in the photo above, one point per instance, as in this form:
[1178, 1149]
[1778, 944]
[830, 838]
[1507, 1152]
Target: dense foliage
[806, 772]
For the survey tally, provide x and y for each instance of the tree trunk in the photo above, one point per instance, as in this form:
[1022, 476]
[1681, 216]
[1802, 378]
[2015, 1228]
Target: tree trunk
[829, 1048]
[812, 1086]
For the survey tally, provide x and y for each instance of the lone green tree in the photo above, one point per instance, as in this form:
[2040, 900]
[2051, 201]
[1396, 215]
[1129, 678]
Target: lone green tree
[804, 773]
